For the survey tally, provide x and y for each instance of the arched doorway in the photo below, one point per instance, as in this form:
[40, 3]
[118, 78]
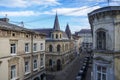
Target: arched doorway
[59, 65]
[50, 64]
[37, 78]
[42, 77]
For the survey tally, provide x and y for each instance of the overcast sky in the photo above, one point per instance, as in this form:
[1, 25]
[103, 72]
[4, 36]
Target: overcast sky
[41, 13]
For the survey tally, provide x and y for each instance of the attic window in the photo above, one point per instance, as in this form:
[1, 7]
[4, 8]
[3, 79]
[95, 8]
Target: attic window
[13, 34]
[34, 36]
[27, 36]
[0, 62]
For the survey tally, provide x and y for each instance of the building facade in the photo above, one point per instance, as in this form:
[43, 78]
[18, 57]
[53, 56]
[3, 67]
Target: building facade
[22, 53]
[105, 25]
[86, 39]
[59, 47]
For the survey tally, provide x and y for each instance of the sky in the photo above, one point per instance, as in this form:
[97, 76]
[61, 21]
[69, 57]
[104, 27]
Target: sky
[41, 13]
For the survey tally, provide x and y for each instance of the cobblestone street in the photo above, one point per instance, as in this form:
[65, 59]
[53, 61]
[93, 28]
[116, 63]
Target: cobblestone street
[71, 71]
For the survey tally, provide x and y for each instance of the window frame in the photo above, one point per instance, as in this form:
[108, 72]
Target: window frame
[101, 72]
[27, 48]
[27, 67]
[35, 64]
[35, 47]
[13, 49]
[13, 72]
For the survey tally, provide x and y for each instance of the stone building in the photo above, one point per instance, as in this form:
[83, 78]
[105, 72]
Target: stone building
[22, 53]
[105, 25]
[59, 46]
[85, 39]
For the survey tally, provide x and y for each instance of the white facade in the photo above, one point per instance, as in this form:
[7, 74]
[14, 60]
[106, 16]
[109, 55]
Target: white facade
[105, 24]
[85, 39]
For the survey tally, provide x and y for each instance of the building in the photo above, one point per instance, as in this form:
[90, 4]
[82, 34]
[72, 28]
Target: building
[22, 53]
[105, 25]
[59, 46]
[86, 39]
[77, 42]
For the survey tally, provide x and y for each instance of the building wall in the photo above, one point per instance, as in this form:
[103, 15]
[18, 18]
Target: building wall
[117, 68]
[6, 59]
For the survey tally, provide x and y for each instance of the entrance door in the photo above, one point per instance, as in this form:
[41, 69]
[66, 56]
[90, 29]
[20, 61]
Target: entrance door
[58, 65]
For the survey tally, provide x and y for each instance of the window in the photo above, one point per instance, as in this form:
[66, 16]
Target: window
[50, 48]
[35, 47]
[60, 35]
[26, 66]
[101, 40]
[41, 62]
[50, 62]
[35, 64]
[13, 49]
[13, 72]
[26, 47]
[56, 36]
[101, 73]
[41, 46]
[58, 48]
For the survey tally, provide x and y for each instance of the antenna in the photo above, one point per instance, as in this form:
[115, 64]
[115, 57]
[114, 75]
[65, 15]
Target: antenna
[6, 15]
[22, 24]
[108, 1]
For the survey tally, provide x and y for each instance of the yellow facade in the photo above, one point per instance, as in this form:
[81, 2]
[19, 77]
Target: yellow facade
[18, 59]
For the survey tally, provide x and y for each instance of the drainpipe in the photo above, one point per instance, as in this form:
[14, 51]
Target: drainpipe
[31, 55]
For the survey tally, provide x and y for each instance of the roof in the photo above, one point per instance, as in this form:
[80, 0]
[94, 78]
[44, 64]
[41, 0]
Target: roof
[104, 9]
[56, 23]
[46, 31]
[68, 32]
[84, 31]
[8, 26]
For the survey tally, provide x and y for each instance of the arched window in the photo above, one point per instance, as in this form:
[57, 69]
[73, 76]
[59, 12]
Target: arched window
[52, 35]
[58, 48]
[101, 40]
[50, 48]
[56, 36]
[50, 62]
[60, 35]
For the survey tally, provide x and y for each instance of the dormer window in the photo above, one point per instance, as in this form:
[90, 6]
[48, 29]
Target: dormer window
[60, 35]
[13, 34]
[56, 36]
[101, 40]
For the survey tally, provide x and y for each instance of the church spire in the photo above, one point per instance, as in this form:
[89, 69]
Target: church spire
[56, 23]
[68, 32]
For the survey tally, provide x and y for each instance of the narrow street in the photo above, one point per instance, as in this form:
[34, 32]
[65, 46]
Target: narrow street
[71, 71]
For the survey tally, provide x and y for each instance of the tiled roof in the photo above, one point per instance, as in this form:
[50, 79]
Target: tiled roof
[48, 32]
[84, 31]
[13, 27]
[56, 23]
[45, 31]
[68, 32]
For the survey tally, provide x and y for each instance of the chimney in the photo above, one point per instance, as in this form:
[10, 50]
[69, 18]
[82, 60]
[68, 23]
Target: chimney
[4, 19]
[22, 24]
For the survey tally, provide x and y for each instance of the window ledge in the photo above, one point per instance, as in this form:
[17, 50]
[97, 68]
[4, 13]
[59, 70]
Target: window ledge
[41, 66]
[27, 73]
[35, 69]
[15, 78]
[13, 54]
[27, 52]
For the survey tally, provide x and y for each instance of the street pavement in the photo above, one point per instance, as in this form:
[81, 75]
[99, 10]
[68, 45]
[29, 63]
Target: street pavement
[71, 70]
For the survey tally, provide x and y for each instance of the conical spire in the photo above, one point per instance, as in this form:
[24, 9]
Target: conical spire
[56, 23]
[68, 32]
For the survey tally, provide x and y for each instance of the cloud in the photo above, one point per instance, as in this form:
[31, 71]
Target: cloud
[27, 3]
[19, 13]
[82, 11]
